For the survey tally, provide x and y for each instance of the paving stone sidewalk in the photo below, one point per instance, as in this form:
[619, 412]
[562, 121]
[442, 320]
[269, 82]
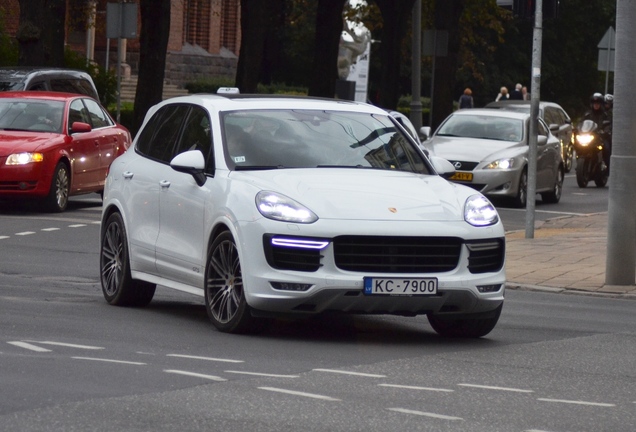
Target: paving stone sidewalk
[566, 253]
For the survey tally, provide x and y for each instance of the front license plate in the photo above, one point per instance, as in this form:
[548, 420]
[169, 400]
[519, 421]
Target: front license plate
[400, 286]
[462, 176]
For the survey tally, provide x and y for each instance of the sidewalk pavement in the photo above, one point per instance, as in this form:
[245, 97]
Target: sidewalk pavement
[566, 254]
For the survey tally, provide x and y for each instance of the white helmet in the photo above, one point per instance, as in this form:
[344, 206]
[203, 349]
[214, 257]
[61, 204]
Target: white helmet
[609, 98]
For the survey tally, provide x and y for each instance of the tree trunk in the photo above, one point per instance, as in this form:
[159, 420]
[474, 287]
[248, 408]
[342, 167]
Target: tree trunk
[153, 46]
[41, 33]
[396, 15]
[326, 43]
[257, 17]
[447, 14]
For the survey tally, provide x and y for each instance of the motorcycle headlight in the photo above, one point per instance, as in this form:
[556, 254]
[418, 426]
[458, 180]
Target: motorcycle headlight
[501, 164]
[276, 206]
[24, 158]
[584, 139]
[478, 211]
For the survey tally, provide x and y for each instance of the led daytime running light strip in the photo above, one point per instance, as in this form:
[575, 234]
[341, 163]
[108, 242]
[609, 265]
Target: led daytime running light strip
[300, 244]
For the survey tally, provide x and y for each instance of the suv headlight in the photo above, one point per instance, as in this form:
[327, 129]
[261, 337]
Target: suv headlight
[478, 211]
[24, 158]
[278, 207]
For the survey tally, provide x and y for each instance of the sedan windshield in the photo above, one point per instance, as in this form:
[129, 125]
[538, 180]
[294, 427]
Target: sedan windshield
[484, 127]
[265, 139]
[31, 114]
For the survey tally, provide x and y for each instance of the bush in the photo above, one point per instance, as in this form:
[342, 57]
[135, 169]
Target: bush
[209, 85]
[105, 81]
[126, 118]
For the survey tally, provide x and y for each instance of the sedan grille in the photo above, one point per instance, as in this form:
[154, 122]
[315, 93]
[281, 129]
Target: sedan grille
[397, 254]
[463, 165]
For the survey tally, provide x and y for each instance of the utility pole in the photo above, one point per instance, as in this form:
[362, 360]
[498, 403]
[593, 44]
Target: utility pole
[621, 230]
[535, 97]
[416, 66]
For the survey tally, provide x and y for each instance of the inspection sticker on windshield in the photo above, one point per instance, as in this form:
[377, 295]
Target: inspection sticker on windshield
[400, 286]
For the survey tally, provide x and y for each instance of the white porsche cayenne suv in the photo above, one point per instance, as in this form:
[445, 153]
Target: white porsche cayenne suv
[274, 206]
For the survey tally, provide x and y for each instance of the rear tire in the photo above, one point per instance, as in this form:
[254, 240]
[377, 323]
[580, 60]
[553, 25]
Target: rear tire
[57, 199]
[465, 326]
[118, 287]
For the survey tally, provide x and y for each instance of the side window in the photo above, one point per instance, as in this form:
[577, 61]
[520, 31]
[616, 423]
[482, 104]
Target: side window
[541, 129]
[549, 116]
[38, 86]
[197, 134]
[99, 119]
[158, 137]
[77, 113]
[63, 85]
[84, 87]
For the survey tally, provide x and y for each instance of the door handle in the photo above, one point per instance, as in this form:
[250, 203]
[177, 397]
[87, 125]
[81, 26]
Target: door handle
[127, 175]
[165, 184]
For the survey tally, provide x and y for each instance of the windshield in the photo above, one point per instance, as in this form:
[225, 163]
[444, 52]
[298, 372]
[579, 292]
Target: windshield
[7, 85]
[31, 114]
[483, 127]
[264, 139]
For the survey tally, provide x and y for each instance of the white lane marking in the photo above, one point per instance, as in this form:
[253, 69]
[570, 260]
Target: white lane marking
[77, 225]
[110, 360]
[416, 388]
[87, 347]
[297, 393]
[577, 402]
[496, 388]
[96, 222]
[425, 414]
[4, 237]
[349, 373]
[25, 233]
[262, 374]
[194, 374]
[205, 358]
[49, 229]
[29, 346]
[536, 430]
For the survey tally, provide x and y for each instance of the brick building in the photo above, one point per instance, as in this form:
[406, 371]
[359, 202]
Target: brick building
[204, 38]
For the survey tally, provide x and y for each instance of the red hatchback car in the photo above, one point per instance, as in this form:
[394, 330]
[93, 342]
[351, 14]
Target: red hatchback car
[55, 145]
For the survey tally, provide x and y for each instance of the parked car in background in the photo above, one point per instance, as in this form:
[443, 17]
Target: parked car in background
[489, 149]
[268, 206]
[54, 145]
[16, 78]
[558, 121]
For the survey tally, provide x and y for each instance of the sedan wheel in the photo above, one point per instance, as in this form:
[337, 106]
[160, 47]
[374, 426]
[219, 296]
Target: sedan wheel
[118, 287]
[57, 200]
[465, 326]
[554, 196]
[224, 291]
[522, 194]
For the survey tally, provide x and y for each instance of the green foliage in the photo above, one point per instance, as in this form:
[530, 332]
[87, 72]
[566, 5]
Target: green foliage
[8, 45]
[209, 85]
[125, 115]
[280, 88]
[105, 81]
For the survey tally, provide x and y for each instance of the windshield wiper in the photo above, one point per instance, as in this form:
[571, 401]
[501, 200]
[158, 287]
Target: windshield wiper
[257, 167]
[342, 166]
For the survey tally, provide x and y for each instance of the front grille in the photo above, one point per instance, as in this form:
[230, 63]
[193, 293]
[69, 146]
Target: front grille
[397, 254]
[464, 166]
[486, 255]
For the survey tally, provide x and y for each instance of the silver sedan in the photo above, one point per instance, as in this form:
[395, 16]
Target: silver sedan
[489, 149]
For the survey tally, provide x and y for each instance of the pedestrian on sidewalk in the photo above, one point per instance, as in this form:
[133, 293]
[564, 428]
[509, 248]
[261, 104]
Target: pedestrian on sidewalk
[466, 100]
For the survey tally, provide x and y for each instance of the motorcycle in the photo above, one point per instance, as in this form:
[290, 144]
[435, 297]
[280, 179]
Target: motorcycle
[589, 143]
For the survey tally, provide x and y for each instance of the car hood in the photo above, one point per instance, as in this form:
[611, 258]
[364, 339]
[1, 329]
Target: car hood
[22, 141]
[356, 193]
[471, 149]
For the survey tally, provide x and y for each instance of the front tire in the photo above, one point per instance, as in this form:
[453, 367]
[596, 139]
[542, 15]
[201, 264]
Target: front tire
[57, 199]
[569, 158]
[465, 326]
[582, 172]
[554, 196]
[118, 287]
[224, 291]
[521, 198]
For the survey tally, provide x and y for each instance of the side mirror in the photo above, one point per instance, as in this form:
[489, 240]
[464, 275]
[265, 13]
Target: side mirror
[425, 133]
[554, 127]
[542, 140]
[443, 167]
[191, 162]
[77, 127]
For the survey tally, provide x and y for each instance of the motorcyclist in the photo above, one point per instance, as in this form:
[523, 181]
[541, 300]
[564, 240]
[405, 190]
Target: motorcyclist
[599, 116]
[609, 105]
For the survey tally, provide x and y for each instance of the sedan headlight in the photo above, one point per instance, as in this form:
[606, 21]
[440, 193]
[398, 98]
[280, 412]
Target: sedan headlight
[275, 206]
[478, 211]
[501, 164]
[24, 158]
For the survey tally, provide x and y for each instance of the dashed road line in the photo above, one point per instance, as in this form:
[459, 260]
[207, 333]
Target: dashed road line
[349, 373]
[297, 393]
[205, 358]
[63, 344]
[425, 414]
[25, 233]
[496, 388]
[417, 388]
[194, 374]
[50, 229]
[262, 374]
[600, 404]
[110, 361]
[28, 346]
[4, 237]
[77, 225]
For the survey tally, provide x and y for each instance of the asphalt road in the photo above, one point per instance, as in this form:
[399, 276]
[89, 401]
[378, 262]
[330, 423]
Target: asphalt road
[69, 361]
